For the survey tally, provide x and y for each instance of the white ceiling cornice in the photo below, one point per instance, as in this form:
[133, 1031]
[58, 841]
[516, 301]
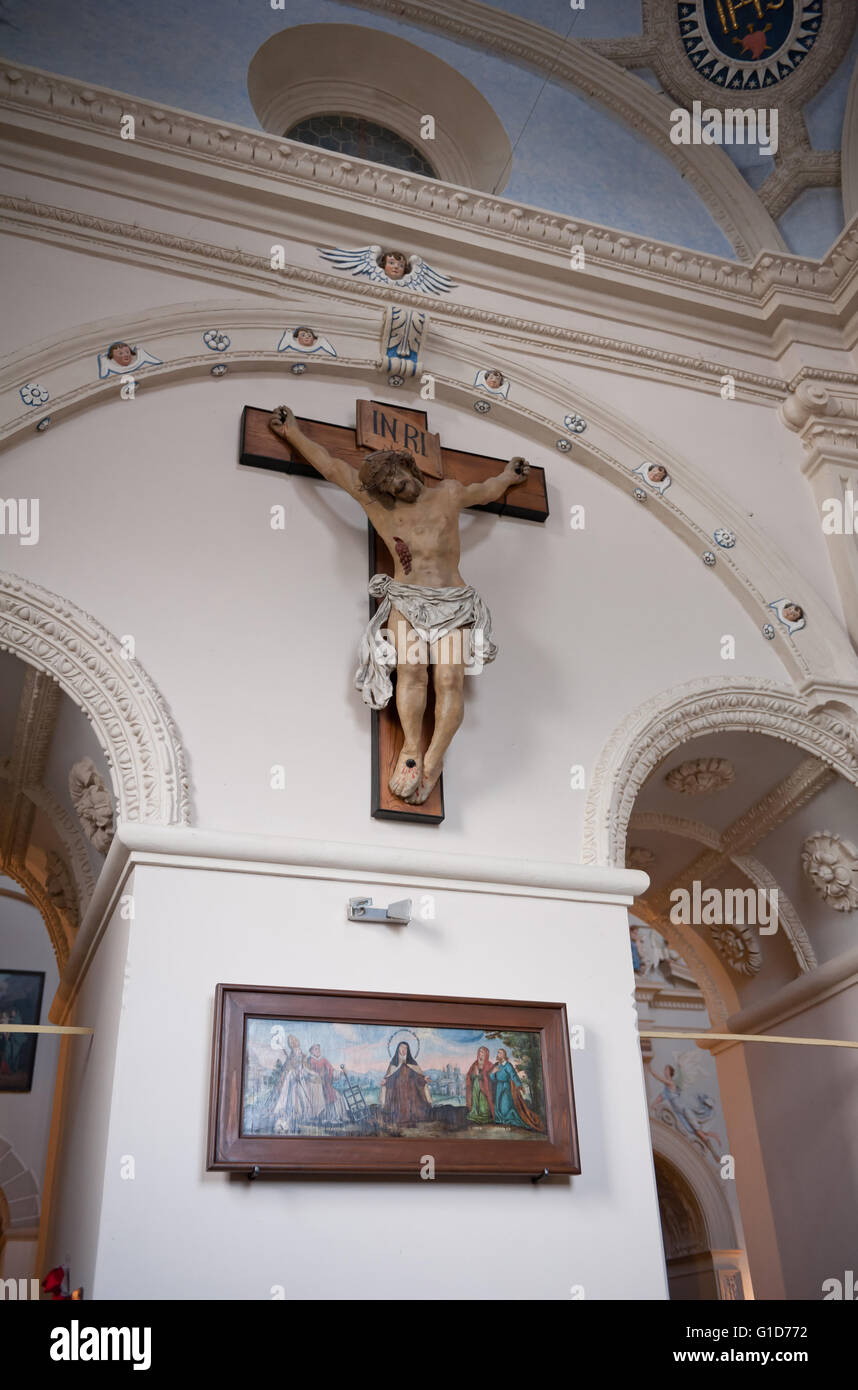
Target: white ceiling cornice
[491, 242]
[223, 265]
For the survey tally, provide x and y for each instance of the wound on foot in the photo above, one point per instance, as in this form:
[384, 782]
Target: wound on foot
[403, 552]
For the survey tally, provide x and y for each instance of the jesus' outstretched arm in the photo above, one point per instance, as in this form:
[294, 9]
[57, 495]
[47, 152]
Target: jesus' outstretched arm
[476, 494]
[284, 424]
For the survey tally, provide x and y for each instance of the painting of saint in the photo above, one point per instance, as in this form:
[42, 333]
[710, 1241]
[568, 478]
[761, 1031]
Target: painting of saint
[510, 1106]
[335, 1109]
[315, 1078]
[478, 1089]
[405, 1098]
[301, 1097]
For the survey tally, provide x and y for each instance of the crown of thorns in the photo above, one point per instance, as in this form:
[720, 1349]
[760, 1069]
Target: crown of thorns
[378, 471]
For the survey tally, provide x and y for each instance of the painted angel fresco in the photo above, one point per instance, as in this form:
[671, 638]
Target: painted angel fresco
[392, 268]
[689, 1106]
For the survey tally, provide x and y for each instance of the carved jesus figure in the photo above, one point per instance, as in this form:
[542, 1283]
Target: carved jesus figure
[428, 619]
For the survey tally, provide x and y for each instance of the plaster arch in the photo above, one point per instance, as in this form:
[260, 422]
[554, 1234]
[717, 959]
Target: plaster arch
[820, 660]
[668, 1145]
[650, 733]
[714, 980]
[61, 941]
[747, 864]
[130, 719]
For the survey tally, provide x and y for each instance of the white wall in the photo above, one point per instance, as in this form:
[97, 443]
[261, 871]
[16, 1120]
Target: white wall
[251, 633]
[25, 1117]
[804, 1105]
[88, 1095]
[175, 1231]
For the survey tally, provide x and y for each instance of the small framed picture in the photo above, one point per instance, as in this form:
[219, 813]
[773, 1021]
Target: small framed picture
[314, 1081]
[20, 1002]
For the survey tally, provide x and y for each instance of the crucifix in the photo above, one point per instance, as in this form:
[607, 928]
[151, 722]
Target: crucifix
[427, 627]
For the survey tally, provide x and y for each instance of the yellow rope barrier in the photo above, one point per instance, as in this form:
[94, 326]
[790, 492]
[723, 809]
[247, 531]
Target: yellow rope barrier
[41, 1028]
[746, 1037]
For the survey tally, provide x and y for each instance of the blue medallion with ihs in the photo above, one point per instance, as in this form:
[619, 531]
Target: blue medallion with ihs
[748, 44]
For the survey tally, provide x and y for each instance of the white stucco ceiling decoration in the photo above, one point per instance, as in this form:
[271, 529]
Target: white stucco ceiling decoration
[700, 776]
[639, 857]
[739, 947]
[130, 719]
[658, 727]
[775, 54]
[351, 70]
[711, 50]
[830, 864]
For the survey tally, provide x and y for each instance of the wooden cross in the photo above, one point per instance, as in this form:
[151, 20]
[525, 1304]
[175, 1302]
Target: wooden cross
[381, 426]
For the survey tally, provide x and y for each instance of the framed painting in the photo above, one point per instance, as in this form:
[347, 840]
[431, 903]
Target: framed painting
[20, 1002]
[324, 1082]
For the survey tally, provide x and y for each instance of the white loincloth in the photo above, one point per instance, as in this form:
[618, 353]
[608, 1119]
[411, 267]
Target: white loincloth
[433, 614]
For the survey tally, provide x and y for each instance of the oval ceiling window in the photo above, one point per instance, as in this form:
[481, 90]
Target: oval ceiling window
[363, 139]
[366, 94]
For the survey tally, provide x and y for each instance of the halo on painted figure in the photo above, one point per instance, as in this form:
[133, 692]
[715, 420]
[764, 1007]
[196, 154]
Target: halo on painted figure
[403, 1035]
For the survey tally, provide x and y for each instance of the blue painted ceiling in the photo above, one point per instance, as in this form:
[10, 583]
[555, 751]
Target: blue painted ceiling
[569, 156]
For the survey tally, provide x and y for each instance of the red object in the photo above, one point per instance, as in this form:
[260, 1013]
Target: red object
[326, 1071]
[755, 43]
[53, 1284]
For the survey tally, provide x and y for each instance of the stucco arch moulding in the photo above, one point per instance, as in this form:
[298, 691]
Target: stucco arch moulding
[350, 69]
[736, 705]
[130, 719]
[752, 868]
[41, 900]
[820, 659]
[718, 1219]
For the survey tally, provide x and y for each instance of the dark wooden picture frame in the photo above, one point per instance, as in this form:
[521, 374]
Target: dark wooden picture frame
[20, 996]
[553, 1146]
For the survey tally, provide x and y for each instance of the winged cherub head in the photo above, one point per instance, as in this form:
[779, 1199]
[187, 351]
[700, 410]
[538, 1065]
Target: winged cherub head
[394, 264]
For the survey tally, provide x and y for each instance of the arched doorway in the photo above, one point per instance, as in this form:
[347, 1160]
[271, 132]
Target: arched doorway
[698, 1268]
[85, 742]
[739, 800]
